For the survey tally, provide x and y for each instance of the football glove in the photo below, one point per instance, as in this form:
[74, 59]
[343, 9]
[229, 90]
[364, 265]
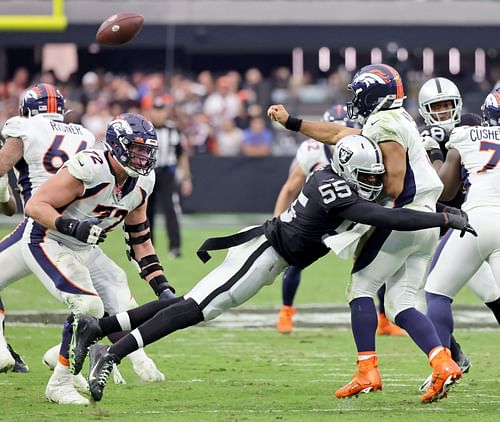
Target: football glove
[458, 220]
[430, 143]
[86, 231]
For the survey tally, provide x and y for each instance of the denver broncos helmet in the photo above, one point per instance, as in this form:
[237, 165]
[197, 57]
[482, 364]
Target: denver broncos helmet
[133, 142]
[491, 108]
[376, 87]
[42, 98]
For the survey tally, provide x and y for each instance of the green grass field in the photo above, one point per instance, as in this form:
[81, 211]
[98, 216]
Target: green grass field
[254, 374]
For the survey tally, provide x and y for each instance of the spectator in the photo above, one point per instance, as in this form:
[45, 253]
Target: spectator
[229, 139]
[257, 139]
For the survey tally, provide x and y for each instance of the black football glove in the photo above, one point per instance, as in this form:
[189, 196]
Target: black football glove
[458, 220]
[86, 231]
[162, 287]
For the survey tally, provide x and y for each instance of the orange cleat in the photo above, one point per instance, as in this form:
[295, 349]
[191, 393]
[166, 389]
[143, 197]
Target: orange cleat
[444, 375]
[285, 322]
[365, 380]
[387, 328]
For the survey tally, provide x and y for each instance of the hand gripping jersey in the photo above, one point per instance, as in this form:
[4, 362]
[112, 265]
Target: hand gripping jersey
[479, 149]
[101, 198]
[422, 185]
[47, 144]
[312, 153]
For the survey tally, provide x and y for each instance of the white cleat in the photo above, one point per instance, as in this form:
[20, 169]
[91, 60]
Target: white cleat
[144, 367]
[60, 388]
[51, 356]
[80, 383]
[7, 362]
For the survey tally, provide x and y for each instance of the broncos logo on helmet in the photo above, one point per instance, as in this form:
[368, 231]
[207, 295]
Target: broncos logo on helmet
[376, 87]
[491, 108]
[40, 99]
[133, 142]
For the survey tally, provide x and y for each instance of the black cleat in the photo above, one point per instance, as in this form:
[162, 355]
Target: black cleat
[101, 365]
[20, 364]
[86, 331]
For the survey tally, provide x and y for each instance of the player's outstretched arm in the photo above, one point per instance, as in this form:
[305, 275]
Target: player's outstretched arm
[10, 154]
[325, 132]
[143, 254]
[449, 174]
[404, 219]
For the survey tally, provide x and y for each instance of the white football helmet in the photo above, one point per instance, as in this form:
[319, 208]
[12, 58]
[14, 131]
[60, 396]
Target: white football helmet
[434, 91]
[359, 161]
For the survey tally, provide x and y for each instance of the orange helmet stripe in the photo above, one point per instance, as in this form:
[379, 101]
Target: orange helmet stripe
[52, 98]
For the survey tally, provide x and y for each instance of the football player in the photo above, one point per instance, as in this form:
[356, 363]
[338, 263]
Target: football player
[310, 156]
[440, 105]
[36, 144]
[473, 155]
[398, 259]
[330, 203]
[9, 359]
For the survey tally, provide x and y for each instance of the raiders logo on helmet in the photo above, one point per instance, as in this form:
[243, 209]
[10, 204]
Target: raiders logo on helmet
[345, 154]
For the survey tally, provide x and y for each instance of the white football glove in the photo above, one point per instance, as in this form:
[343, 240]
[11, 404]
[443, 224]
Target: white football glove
[4, 189]
[430, 143]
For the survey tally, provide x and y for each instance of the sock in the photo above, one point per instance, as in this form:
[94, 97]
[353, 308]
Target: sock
[364, 323]
[380, 295]
[179, 315]
[134, 317]
[419, 328]
[455, 349]
[291, 281]
[494, 306]
[66, 338]
[2, 318]
[439, 312]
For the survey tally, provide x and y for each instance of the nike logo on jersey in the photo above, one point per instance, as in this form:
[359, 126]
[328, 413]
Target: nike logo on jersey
[79, 162]
[375, 122]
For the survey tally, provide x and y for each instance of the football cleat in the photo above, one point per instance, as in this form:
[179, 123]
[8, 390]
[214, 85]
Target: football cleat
[367, 379]
[386, 328]
[19, 364]
[144, 367]
[463, 363]
[86, 331]
[101, 366]
[60, 388]
[285, 319]
[444, 375]
[7, 362]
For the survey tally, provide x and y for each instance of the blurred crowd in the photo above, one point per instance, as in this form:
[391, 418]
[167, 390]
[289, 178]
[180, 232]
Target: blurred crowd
[219, 114]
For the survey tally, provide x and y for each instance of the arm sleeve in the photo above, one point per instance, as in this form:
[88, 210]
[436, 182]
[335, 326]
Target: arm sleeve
[402, 219]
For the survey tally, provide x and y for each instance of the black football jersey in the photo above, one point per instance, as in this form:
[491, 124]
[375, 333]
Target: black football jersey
[298, 232]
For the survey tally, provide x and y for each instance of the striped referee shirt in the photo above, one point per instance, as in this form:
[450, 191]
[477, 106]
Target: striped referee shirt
[169, 145]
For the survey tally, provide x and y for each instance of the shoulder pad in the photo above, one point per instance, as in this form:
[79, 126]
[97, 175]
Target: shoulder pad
[147, 182]
[382, 126]
[458, 135]
[309, 154]
[83, 167]
[16, 127]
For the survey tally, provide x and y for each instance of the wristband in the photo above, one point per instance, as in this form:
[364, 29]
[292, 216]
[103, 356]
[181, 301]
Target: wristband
[293, 123]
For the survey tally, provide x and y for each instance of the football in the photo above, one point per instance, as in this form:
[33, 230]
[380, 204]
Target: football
[119, 29]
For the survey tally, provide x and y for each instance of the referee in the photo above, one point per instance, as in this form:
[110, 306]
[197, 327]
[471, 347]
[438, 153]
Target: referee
[172, 159]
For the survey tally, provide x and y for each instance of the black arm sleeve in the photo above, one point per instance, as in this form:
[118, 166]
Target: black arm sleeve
[402, 219]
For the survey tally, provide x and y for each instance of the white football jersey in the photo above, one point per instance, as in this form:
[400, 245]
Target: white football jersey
[312, 153]
[479, 149]
[47, 144]
[422, 186]
[101, 198]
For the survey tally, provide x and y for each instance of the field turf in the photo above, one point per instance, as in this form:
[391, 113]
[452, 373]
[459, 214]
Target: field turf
[253, 374]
